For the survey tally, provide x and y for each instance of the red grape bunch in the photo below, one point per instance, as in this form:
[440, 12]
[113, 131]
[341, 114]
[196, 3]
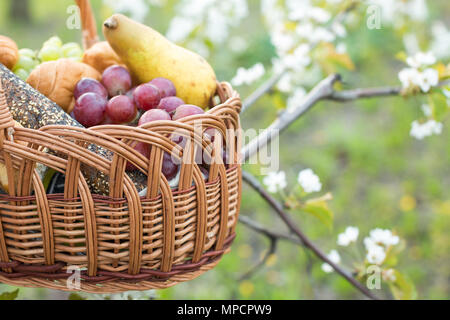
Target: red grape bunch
[115, 101]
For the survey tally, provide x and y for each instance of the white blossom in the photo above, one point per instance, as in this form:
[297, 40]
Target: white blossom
[298, 59]
[421, 59]
[441, 40]
[426, 109]
[275, 181]
[341, 48]
[422, 130]
[428, 78]
[339, 30]
[376, 255]
[394, 12]
[384, 237]
[409, 77]
[285, 83]
[309, 181]
[137, 9]
[389, 275]
[212, 18]
[179, 28]
[335, 258]
[425, 80]
[348, 236]
[248, 76]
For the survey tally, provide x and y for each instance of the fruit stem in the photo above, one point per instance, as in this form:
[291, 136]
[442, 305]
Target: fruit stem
[110, 23]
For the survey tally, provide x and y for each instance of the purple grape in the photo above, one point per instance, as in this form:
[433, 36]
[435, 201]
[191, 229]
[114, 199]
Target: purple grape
[86, 85]
[169, 168]
[153, 115]
[170, 104]
[147, 97]
[117, 80]
[121, 109]
[90, 109]
[165, 86]
[143, 149]
[187, 110]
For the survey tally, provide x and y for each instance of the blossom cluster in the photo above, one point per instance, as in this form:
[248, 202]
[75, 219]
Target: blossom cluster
[398, 13]
[296, 28]
[419, 74]
[248, 76]
[307, 179]
[376, 245]
[201, 21]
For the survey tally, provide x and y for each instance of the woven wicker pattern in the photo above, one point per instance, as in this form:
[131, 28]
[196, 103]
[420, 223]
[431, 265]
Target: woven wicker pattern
[123, 241]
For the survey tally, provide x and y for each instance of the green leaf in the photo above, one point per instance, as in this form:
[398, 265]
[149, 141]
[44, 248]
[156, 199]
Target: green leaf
[402, 288]
[9, 295]
[76, 296]
[319, 208]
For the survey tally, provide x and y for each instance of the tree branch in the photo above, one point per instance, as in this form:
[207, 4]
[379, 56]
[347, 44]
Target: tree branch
[278, 207]
[262, 90]
[322, 90]
[256, 267]
[255, 226]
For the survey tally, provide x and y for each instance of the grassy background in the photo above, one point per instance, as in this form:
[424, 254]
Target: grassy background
[378, 174]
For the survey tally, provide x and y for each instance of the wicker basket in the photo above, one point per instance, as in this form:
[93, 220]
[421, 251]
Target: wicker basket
[122, 241]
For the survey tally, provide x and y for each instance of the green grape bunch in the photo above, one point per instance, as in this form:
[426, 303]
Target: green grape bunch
[52, 50]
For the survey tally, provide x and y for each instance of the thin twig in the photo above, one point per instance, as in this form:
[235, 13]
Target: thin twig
[255, 226]
[262, 90]
[278, 207]
[272, 249]
[320, 91]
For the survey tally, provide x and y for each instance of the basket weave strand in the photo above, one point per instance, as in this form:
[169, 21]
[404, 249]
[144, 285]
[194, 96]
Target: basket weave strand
[125, 240]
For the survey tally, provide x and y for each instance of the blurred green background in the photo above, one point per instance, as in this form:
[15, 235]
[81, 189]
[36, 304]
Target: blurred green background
[362, 151]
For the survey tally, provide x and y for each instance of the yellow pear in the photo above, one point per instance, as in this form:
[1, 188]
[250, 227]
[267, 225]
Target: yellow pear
[150, 55]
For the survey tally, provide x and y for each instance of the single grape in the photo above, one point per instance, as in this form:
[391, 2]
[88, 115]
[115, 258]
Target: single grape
[27, 53]
[49, 53]
[153, 115]
[117, 80]
[72, 50]
[89, 85]
[22, 73]
[121, 109]
[165, 86]
[90, 109]
[170, 104]
[54, 41]
[143, 149]
[169, 168]
[26, 63]
[147, 97]
[187, 110]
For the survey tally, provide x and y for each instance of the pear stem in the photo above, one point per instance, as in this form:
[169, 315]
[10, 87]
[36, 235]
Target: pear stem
[110, 23]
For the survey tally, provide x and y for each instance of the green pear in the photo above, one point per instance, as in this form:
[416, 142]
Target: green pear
[150, 55]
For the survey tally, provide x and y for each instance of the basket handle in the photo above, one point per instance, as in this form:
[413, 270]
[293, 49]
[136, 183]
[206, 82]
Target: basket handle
[88, 24]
